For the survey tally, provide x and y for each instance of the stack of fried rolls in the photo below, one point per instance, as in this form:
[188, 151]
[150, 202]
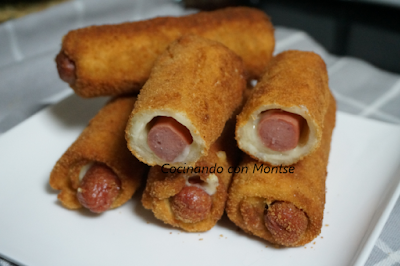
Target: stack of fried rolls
[194, 70]
[110, 60]
[194, 198]
[194, 88]
[281, 198]
[279, 206]
[283, 120]
[98, 171]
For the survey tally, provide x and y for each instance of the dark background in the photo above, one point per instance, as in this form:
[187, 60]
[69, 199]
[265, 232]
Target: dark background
[369, 30]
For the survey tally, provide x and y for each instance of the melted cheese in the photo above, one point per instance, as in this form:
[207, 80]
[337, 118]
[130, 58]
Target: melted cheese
[84, 170]
[209, 186]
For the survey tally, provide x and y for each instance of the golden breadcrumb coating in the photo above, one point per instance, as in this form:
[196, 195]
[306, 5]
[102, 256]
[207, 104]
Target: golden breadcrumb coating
[305, 188]
[296, 82]
[117, 59]
[162, 187]
[196, 81]
[101, 141]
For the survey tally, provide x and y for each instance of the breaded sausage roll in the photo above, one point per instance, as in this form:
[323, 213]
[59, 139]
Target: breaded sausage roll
[194, 88]
[117, 59]
[283, 120]
[193, 198]
[98, 171]
[283, 204]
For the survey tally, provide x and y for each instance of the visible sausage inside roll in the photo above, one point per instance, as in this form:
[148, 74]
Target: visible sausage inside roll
[98, 188]
[97, 171]
[66, 68]
[280, 206]
[193, 90]
[278, 135]
[111, 60]
[283, 119]
[285, 222]
[279, 130]
[193, 197]
[191, 201]
[168, 138]
[165, 137]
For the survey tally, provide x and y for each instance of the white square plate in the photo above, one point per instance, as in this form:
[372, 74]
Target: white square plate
[362, 187]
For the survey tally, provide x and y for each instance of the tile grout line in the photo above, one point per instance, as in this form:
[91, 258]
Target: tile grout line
[394, 91]
[359, 105]
[392, 258]
[335, 68]
[16, 51]
[383, 246]
[387, 116]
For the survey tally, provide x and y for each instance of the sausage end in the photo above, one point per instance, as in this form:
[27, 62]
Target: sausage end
[98, 188]
[285, 222]
[191, 204]
[66, 68]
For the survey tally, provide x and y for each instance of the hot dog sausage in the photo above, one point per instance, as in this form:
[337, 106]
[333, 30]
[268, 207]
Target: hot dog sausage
[286, 222]
[168, 138]
[117, 59]
[191, 204]
[280, 130]
[66, 68]
[98, 188]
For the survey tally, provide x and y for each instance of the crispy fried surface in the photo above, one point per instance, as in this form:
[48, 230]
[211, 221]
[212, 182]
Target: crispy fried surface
[101, 141]
[161, 187]
[197, 78]
[160, 204]
[117, 59]
[293, 79]
[305, 189]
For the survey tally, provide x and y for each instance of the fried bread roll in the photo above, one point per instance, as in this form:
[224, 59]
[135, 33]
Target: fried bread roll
[283, 120]
[194, 198]
[194, 88]
[117, 59]
[283, 205]
[97, 171]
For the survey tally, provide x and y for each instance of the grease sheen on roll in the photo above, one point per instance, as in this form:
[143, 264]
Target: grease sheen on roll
[283, 208]
[295, 82]
[100, 146]
[197, 82]
[117, 59]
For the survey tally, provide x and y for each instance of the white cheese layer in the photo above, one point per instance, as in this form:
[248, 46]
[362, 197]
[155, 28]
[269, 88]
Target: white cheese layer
[209, 186]
[84, 170]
